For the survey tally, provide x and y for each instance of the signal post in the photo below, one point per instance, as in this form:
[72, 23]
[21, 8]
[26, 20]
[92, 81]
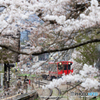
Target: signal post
[6, 81]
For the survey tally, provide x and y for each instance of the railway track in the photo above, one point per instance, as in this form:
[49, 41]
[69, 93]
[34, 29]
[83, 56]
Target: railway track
[57, 93]
[51, 96]
[45, 95]
[51, 92]
[40, 82]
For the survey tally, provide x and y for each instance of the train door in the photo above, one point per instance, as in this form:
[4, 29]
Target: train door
[67, 68]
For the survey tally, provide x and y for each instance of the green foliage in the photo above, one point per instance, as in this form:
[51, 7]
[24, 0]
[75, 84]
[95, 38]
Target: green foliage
[22, 43]
[33, 75]
[24, 74]
[88, 53]
[37, 99]
[98, 98]
[6, 56]
[2, 71]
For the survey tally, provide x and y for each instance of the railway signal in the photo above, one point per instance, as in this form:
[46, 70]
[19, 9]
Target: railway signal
[7, 67]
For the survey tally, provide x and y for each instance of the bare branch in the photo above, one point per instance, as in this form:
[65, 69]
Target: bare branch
[50, 51]
[11, 49]
[72, 88]
[67, 48]
[3, 6]
[3, 29]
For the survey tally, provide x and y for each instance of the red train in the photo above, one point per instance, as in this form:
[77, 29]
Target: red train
[56, 69]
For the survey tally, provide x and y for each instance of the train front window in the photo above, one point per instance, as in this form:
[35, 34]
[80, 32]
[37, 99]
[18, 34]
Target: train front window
[60, 67]
[67, 67]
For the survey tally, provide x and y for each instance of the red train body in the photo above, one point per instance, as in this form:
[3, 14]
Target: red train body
[59, 68]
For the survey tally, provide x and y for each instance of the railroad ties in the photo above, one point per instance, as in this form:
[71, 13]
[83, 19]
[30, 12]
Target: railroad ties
[52, 94]
[59, 93]
[63, 92]
[48, 94]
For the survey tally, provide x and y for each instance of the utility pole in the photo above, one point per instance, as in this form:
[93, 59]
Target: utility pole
[5, 76]
[7, 66]
[18, 34]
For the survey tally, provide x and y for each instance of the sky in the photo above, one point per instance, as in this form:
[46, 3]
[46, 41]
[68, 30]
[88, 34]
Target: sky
[32, 18]
[1, 9]
[24, 35]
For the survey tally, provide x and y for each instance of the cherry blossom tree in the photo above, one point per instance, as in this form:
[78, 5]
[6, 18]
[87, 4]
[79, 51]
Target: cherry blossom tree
[60, 28]
[62, 22]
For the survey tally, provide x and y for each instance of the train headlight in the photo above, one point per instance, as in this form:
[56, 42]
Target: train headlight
[69, 63]
[60, 66]
[60, 63]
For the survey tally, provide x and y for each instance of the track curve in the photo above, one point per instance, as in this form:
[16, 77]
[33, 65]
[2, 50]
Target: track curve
[51, 92]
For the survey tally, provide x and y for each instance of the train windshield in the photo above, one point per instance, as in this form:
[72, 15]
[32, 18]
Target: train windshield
[60, 67]
[67, 67]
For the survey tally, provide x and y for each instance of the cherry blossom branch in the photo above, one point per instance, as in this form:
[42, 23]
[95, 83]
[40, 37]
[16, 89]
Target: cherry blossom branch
[3, 29]
[50, 51]
[67, 48]
[12, 49]
[71, 88]
[3, 6]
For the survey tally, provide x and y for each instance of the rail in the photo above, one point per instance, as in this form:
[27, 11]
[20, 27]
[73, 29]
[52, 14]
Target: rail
[51, 92]
[59, 93]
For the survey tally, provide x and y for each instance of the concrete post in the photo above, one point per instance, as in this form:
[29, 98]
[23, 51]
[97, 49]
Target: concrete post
[39, 83]
[1, 79]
